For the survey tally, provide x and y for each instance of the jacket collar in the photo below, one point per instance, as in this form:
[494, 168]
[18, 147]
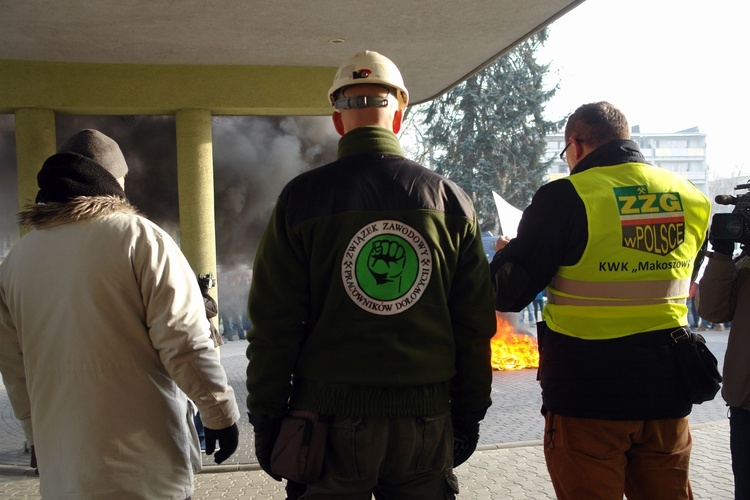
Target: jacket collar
[43, 215]
[612, 153]
[369, 139]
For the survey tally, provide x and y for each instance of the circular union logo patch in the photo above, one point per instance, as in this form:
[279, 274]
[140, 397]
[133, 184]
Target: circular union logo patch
[386, 267]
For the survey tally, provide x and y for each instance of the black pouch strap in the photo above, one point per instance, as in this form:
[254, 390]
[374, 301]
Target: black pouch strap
[681, 334]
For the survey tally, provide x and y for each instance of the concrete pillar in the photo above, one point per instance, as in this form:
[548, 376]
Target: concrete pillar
[195, 185]
[195, 189]
[35, 142]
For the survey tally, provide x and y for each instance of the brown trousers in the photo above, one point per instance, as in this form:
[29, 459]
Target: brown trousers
[602, 459]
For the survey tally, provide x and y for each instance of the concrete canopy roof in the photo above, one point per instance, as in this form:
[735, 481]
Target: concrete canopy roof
[250, 56]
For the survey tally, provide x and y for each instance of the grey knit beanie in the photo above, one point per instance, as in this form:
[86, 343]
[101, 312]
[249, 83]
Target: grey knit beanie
[100, 148]
[87, 164]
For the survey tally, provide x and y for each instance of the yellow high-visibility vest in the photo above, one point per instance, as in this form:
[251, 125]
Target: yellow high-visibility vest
[645, 227]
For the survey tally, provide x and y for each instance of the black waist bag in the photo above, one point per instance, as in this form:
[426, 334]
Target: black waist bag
[697, 366]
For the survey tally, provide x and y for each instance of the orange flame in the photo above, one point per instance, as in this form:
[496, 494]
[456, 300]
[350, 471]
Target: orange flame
[512, 350]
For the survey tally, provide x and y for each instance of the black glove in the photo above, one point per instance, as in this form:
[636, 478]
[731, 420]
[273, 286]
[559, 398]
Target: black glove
[465, 436]
[725, 247]
[228, 437]
[33, 461]
[266, 431]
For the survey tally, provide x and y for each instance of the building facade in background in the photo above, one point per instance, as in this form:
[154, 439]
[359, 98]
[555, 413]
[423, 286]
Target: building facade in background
[681, 152]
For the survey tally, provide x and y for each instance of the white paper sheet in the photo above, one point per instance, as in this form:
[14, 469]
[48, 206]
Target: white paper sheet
[509, 216]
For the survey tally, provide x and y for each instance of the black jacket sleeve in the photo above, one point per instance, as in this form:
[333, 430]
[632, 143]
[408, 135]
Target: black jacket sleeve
[553, 232]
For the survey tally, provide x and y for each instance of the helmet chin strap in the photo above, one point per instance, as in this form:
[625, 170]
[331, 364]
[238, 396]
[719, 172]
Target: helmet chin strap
[361, 101]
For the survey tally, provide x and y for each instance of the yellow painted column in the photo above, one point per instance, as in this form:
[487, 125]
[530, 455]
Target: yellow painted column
[35, 142]
[195, 189]
[195, 185]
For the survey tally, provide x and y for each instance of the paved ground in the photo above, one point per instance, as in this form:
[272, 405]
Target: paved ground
[508, 465]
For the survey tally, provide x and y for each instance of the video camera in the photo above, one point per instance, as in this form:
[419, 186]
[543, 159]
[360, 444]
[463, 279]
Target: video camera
[734, 226]
[206, 281]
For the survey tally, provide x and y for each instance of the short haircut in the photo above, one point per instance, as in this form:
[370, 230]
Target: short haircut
[597, 123]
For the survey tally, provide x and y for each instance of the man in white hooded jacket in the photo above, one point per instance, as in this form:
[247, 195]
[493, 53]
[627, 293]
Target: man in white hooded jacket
[103, 333]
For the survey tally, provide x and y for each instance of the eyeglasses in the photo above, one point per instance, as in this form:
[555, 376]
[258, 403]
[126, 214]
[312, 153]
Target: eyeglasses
[562, 153]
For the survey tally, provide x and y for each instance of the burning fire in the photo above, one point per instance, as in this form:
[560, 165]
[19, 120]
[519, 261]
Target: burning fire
[512, 350]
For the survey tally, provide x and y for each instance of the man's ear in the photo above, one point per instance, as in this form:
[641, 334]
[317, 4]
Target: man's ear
[337, 123]
[576, 152]
[397, 119]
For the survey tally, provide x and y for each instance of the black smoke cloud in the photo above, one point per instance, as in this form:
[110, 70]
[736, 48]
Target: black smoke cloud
[253, 160]
[254, 157]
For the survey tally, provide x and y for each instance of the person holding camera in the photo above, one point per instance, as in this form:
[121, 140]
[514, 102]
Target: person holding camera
[724, 295]
[206, 282]
[615, 245]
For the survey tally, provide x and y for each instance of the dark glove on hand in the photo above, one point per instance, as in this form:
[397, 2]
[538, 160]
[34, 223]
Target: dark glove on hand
[33, 460]
[465, 437]
[228, 437]
[266, 431]
[725, 247]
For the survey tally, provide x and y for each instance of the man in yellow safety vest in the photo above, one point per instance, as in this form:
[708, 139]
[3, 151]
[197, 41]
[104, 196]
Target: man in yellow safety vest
[615, 245]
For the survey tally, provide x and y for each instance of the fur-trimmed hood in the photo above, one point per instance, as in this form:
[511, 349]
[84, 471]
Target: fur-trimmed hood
[80, 208]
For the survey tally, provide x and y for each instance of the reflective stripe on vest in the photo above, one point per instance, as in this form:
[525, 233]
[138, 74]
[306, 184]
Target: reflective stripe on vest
[566, 291]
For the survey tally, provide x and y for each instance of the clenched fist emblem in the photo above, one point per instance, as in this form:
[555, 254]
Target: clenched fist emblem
[386, 261]
[386, 267]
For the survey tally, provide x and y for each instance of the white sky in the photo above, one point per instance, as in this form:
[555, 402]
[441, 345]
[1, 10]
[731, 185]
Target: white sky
[668, 65]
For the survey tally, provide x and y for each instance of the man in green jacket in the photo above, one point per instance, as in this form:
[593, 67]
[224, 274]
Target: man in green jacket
[371, 304]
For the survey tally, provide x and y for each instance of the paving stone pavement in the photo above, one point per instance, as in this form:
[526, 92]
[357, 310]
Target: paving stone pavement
[509, 463]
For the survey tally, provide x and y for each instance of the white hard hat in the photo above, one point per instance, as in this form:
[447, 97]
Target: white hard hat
[369, 67]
